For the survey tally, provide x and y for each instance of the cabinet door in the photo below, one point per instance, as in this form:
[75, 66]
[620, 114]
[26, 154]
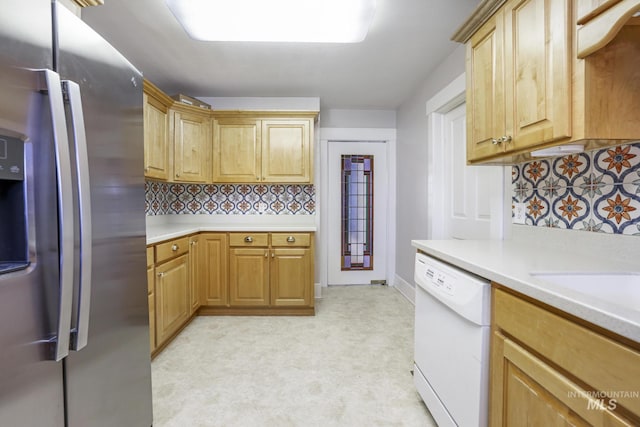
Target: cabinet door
[152, 321]
[485, 90]
[249, 277]
[291, 281]
[214, 269]
[236, 150]
[195, 267]
[537, 54]
[152, 307]
[172, 297]
[156, 144]
[527, 391]
[191, 147]
[286, 151]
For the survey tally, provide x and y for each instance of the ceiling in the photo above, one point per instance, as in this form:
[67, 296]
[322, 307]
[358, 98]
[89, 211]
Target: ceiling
[407, 39]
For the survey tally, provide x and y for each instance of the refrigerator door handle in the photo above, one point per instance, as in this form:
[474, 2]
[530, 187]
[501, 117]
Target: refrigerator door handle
[50, 82]
[72, 94]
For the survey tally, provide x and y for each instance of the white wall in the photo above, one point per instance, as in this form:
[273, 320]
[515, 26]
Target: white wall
[412, 162]
[358, 119]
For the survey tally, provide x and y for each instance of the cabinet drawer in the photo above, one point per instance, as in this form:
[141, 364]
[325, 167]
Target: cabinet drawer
[249, 239]
[603, 363]
[174, 248]
[149, 256]
[290, 239]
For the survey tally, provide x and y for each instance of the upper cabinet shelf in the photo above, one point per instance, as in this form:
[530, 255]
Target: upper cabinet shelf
[527, 87]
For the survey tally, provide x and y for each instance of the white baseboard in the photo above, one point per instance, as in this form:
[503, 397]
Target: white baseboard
[318, 290]
[405, 288]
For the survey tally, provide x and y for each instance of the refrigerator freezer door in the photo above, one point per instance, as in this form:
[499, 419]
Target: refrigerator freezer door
[109, 381]
[31, 386]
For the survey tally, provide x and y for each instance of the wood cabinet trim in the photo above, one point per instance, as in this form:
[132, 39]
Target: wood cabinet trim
[155, 92]
[86, 3]
[261, 115]
[478, 18]
[599, 31]
[587, 10]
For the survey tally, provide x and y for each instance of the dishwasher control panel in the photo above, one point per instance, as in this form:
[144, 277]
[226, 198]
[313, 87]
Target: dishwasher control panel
[440, 280]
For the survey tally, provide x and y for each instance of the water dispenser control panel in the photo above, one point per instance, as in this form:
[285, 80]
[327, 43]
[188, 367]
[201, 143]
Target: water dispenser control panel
[11, 158]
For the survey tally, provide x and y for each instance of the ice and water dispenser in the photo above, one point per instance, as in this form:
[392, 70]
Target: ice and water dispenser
[13, 215]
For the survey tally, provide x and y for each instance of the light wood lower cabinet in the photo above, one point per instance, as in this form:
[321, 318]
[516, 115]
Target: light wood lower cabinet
[227, 273]
[549, 370]
[290, 274]
[195, 268]
[214, 278]
[249, 277]
[172, 297]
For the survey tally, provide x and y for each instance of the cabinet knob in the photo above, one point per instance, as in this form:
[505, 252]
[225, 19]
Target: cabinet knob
[160, 275]
[495, 141]
[506, 138]
[291, 239]
[194, 242]
[175, 248]
[273, 255]
[257, 178]
[248, 239]
[146, 169]
[177, 175]
[266, 253]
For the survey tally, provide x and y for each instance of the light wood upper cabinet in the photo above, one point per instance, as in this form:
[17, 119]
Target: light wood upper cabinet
[191, 144]
[156, 133]
[237, 149]
[286, 151]
[535, 78]
[485, 90]
[256, 147]
[547, 369]
[214, 266]
[537, 72]
[519, 78]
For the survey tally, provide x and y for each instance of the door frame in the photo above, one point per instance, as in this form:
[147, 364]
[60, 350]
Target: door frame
[449, 98]
[354, 135]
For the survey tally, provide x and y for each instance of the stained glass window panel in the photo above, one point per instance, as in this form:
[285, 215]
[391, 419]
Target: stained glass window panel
[357, 212]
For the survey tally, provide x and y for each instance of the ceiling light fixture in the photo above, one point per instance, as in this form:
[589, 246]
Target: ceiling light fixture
[322, 21]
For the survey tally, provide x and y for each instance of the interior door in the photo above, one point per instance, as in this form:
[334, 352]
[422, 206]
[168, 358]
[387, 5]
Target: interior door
[470, 190]
[358, 203]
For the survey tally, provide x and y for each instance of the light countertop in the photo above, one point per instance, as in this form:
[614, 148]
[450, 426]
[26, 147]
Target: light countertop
[166, 227]
[510, 262]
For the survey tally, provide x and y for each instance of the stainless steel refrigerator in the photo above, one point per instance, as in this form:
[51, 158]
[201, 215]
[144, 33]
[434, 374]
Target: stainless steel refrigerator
[74, 332]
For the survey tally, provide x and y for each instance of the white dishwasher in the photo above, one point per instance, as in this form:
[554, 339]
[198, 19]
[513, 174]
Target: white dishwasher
[452, 331]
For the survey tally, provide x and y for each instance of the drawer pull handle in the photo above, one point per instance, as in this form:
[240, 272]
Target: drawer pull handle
[291, 239]
[175, 248]
[248, 239]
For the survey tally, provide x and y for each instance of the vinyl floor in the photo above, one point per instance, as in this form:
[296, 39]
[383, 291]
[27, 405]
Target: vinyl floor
[349, 365]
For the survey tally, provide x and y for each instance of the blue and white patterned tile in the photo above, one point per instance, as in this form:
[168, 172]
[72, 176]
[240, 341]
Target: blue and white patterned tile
[538, 210]
[570, 209]
[631, 181]
[617, 210]
[552, 187]
[536, 172]
[568, 169]
[615, 163]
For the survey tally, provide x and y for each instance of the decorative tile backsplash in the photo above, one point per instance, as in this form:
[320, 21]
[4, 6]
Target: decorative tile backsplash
[592, 191]
[229, 199]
